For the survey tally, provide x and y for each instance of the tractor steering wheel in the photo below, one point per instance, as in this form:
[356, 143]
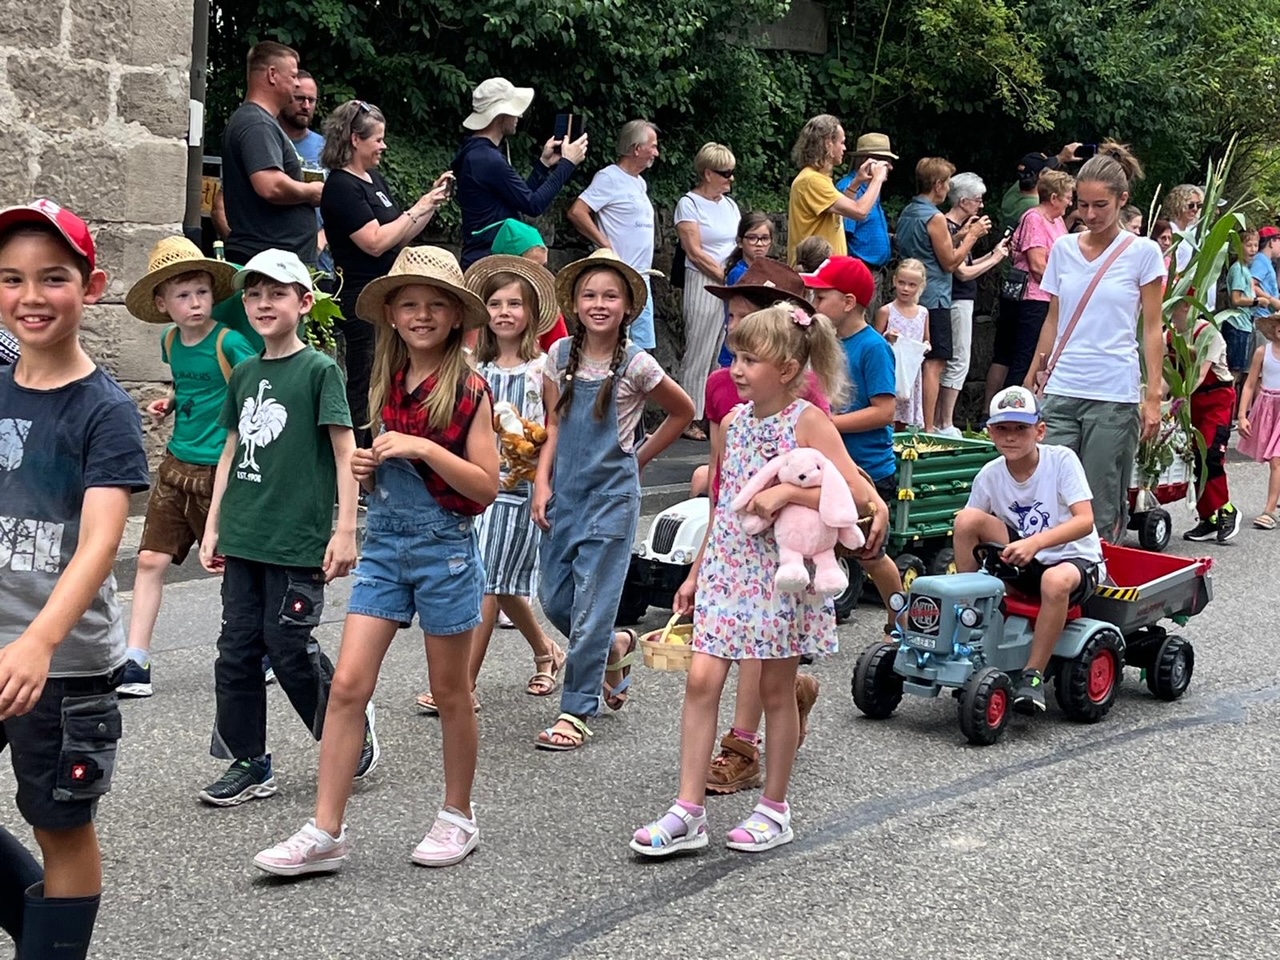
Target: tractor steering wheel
[989, 559]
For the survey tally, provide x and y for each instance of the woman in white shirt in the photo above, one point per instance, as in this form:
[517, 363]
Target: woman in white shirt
[1094, 402]
[707, 222]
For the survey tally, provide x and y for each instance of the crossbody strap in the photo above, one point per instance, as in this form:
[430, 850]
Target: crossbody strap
[1084, 302]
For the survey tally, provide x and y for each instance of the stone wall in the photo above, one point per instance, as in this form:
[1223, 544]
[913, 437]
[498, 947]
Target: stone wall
[93, 105]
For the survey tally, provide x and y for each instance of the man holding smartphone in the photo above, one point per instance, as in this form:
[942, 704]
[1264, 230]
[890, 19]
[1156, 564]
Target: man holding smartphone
[615, 212]
[488, 189]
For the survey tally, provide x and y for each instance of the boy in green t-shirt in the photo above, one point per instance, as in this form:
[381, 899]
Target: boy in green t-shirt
[180, 288]
[287, 454]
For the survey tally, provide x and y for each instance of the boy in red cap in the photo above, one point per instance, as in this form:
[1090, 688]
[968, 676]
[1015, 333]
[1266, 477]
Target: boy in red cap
[71, 453]
[842, 289]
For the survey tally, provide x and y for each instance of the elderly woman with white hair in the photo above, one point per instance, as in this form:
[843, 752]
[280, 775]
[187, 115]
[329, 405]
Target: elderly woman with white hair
[966, 195]
[707, 223]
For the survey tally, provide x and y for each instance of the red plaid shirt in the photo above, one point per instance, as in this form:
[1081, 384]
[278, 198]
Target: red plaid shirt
[404, 413]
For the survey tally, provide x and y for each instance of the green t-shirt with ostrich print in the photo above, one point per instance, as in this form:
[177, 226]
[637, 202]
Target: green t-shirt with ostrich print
[282, 485]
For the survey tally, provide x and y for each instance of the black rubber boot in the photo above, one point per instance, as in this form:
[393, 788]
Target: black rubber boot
[57, 929]
[18, 871]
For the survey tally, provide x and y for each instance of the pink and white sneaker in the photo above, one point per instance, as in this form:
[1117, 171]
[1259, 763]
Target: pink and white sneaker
[449, 840]
[310, 850]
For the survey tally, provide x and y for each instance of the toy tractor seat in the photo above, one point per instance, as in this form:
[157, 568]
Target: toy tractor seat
[1016, 604]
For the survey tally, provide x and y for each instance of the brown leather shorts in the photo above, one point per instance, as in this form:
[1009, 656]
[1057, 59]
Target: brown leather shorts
[178, 508]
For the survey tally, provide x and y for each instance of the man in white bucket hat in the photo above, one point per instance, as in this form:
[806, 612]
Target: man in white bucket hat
[489, 190]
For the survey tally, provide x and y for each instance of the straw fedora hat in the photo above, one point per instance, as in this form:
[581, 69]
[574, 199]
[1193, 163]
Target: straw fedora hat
[540, 278]
[567, 278]
[171, 257]
[432, 266]
[874, 145]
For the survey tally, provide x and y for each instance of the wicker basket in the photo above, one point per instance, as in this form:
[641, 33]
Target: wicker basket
[668, 648]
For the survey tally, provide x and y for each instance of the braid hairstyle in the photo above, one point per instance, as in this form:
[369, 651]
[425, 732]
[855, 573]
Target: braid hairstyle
[571, 369]
[605, 396]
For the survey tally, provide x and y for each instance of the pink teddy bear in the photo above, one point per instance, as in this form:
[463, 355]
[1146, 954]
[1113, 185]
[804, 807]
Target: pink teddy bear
[801, 532]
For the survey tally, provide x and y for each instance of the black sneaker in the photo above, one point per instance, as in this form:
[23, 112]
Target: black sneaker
[370, 752]
[1228, 523]
[137, 680]
[1030, 693]
[244, 780]
[1206, 529]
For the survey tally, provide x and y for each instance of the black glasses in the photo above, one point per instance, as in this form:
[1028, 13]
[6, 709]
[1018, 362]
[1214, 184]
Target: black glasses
[300, 98]
[759, 239]
[727, 174]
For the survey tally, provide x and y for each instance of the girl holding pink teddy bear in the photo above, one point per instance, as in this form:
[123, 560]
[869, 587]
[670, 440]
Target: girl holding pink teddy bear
[738, 613]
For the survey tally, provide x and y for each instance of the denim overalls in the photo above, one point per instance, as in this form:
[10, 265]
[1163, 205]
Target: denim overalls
[594, 511]
[418, 558]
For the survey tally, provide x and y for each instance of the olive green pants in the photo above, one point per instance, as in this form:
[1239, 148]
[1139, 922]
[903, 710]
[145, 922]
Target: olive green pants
[1104, 435]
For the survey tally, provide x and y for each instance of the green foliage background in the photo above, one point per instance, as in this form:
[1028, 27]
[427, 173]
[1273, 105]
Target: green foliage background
[978, 81]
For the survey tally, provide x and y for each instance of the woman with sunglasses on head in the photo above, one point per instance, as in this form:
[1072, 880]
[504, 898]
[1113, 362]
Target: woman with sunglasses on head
[707, 223]
[365, 228]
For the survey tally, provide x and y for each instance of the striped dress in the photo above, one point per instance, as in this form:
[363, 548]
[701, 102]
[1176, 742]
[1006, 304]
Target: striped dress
[508, 536]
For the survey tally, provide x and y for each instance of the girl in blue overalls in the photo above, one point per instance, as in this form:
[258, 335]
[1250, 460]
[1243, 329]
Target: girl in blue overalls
[587, 492]
[432, 468]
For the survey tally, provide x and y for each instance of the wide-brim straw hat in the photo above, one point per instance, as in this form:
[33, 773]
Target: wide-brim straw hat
[540, 278]
[171, 257]
[432, 266]
[567, 278]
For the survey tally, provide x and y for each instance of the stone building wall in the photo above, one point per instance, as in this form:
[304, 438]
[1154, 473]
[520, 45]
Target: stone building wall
[93, 114]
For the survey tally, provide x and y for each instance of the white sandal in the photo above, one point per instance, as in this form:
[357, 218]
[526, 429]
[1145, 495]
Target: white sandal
[768, 829]
[663, 844]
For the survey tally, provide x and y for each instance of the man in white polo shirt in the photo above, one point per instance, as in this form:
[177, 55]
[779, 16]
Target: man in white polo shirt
[615, 212]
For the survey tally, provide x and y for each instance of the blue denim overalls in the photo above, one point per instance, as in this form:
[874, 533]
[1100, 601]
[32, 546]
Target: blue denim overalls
[594, 511]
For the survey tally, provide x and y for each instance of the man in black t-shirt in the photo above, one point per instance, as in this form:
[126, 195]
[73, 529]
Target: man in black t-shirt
[268, 204]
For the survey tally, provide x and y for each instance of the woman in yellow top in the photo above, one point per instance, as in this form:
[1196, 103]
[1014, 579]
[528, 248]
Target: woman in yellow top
[816, 205]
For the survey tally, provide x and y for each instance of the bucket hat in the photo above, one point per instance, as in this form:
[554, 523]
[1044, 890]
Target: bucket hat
[495, 97]
[171, 257]
[433, 266]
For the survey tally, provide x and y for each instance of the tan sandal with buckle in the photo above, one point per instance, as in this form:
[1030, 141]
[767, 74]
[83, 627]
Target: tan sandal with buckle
[544, 682]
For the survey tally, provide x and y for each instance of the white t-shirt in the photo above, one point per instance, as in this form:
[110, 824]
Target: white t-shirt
[1182, 254]
[1100, 361]
[1041, 503]
[621, 204]
[717, 222]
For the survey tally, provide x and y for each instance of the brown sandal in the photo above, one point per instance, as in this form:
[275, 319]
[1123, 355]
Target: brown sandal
[694, 432]
[806, 697]
[615, 698]
[544, 682]
[427, 704]
[737, 767]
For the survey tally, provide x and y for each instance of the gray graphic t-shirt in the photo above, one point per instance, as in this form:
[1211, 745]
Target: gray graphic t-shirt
[55, 444]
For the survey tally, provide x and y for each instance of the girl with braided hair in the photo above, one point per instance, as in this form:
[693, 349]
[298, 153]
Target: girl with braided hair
[587, 491]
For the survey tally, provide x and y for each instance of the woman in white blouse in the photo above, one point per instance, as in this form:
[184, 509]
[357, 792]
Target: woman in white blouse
[1094, 400]
[707, 223]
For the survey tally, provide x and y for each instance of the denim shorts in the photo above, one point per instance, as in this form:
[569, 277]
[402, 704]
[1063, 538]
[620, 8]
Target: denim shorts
[1239, 348]
[432, 569]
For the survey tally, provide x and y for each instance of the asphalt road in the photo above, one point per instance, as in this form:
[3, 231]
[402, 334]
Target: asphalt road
[1154, 834]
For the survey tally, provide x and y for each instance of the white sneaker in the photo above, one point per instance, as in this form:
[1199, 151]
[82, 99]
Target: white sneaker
[504, 622]
[953, 432]
[310, 850]
[448, 841]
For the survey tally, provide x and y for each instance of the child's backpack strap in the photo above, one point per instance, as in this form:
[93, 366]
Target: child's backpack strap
[170, 335]
[223, 362]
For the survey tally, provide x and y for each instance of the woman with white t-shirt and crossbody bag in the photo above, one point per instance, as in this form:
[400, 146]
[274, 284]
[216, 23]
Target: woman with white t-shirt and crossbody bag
[1107, 289]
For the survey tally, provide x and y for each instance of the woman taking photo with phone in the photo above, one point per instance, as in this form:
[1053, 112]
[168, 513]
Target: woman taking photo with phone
[1087, 360]
[365, 229]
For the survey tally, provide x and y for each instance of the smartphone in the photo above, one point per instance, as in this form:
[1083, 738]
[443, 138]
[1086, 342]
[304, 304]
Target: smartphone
[1086, 150]
[569, 127]
[450, 188]
[1008, 232]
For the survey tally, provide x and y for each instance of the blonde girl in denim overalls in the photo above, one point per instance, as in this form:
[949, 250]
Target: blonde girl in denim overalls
[433, 467]
[587, 493]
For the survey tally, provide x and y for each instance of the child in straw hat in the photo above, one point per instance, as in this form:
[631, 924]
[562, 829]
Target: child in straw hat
[180, 289]
[433, 467]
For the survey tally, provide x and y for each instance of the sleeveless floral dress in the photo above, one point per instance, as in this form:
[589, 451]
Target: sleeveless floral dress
[738, 615]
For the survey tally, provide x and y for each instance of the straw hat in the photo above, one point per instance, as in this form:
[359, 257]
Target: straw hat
[432, 266]
[539, 277]
[874, 145]
[171, 257]
[568, 277]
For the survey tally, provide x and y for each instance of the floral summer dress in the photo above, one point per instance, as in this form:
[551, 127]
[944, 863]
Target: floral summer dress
[738, 615]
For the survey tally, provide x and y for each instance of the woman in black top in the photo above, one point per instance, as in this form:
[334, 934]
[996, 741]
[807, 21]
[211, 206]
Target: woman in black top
[365, 229]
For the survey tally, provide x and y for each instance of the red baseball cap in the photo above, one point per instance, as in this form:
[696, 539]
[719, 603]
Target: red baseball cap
[74, 230]
[846, 274]
[1268, 233]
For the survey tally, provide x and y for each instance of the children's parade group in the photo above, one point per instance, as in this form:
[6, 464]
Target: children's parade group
[460, 526]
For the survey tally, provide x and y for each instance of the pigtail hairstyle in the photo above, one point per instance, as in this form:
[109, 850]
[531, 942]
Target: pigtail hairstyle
[390, 356]
[1114, 166]
[785, 332]
[578, 341]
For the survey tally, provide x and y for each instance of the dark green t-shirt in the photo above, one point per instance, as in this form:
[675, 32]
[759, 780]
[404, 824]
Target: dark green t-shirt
[278, 507]
[199, 391]
[1014, 204]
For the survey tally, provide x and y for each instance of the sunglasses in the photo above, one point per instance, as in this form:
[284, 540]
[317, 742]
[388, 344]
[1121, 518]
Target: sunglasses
[727, 174]
[1195, 205]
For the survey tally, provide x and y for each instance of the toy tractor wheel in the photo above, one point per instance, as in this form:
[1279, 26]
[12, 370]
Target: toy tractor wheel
[944, 562]
[1170, 675]
[909, 567]
[847, 600]
[1156, 529]
[985, 702]
[1086, 686]
[633, 605]
[877, 687]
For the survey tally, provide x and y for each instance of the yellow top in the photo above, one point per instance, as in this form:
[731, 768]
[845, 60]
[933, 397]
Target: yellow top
[809, 213]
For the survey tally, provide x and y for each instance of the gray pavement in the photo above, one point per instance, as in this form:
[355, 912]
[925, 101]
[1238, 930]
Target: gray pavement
[1155, 834]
